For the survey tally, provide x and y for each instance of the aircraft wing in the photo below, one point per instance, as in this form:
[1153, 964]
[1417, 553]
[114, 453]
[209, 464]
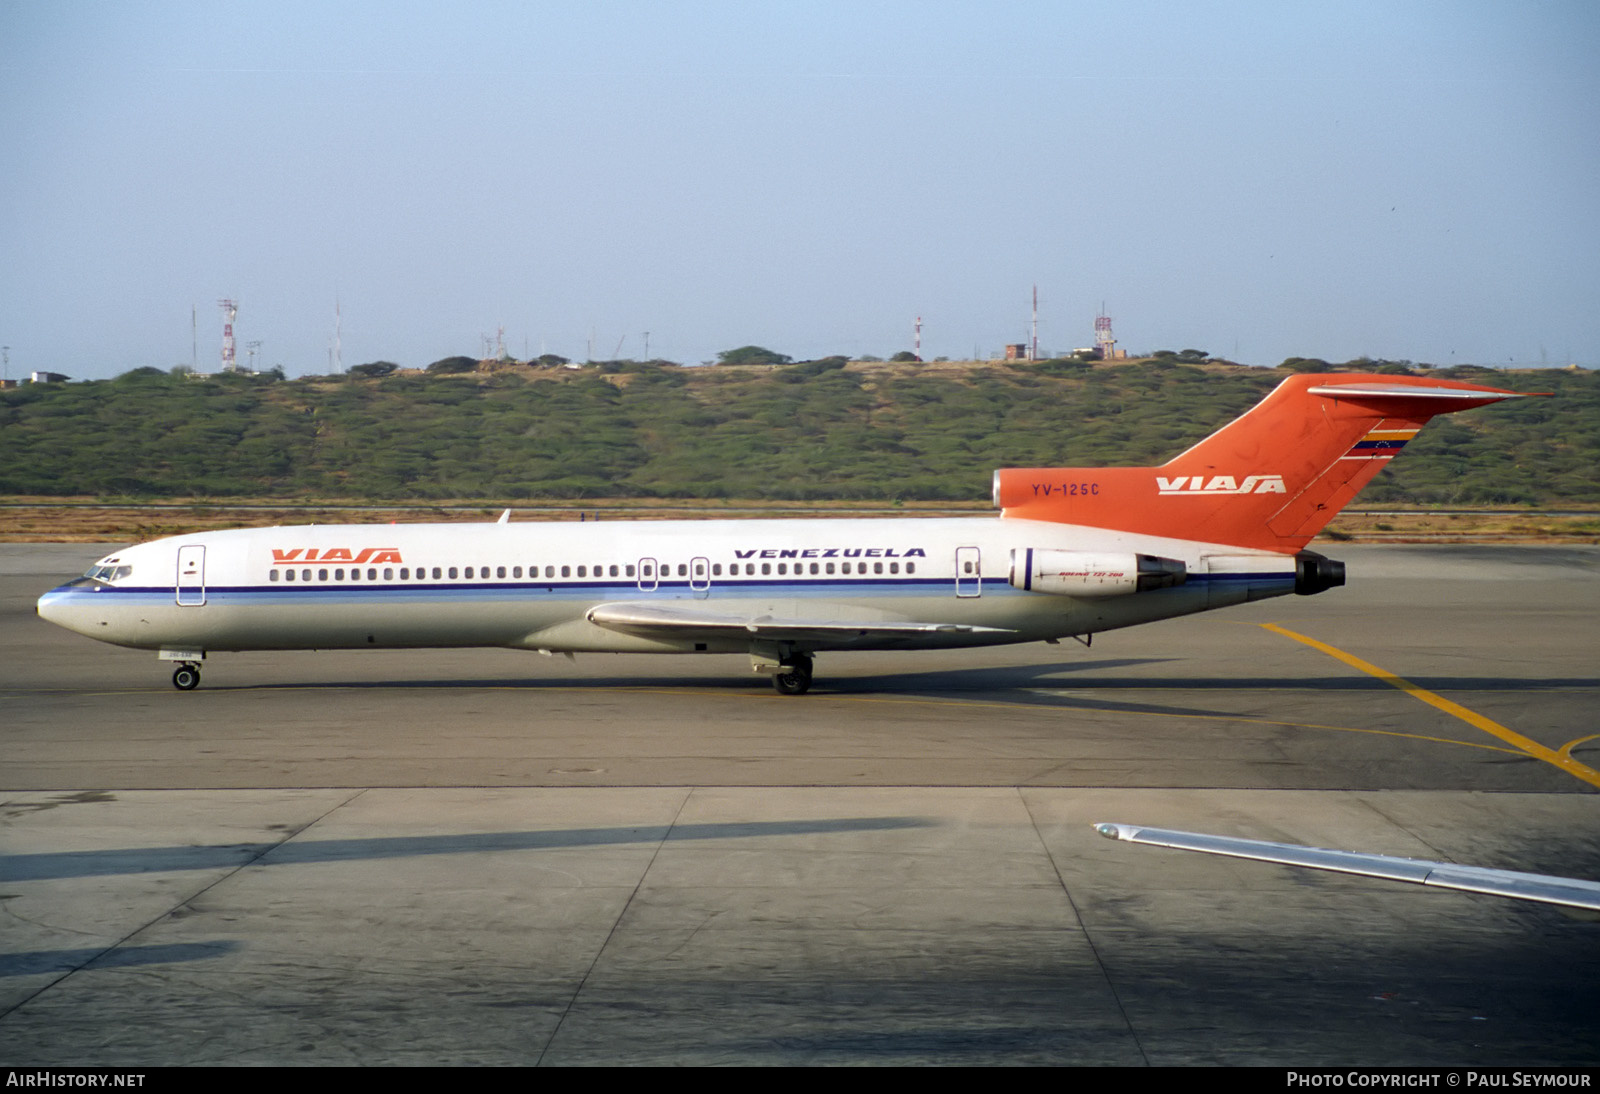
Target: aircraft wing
[682, 621]
[1570, 892]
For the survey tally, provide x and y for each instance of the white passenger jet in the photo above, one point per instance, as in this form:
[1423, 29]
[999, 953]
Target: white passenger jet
[1074, 551]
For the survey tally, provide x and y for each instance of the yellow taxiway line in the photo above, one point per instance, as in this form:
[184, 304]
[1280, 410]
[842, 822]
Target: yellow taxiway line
[1562, 759]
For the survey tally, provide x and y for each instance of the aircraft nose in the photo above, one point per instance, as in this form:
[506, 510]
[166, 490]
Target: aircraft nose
[65, 607]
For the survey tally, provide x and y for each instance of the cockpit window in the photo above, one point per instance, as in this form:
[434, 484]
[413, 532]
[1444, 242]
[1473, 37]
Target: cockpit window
[108, 573]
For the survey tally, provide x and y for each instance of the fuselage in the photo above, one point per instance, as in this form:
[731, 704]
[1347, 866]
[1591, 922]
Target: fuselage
[534, 585]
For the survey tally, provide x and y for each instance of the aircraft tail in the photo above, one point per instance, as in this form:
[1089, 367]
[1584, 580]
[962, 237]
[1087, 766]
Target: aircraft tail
[1269, 480]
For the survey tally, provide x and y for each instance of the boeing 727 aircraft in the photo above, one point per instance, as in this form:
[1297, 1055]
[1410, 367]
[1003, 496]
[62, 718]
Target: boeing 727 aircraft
[1074, 551]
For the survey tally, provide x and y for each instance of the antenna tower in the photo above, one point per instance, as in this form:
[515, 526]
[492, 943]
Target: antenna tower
[918, 339]
[1103, 341]
[1033, 341]
[230, 310]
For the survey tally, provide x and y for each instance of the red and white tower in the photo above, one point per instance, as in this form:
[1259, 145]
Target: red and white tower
[230, 309]
[1103, 341]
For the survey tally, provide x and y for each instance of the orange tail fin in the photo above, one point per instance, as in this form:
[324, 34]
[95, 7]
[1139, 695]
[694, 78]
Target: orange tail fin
[1269, 480]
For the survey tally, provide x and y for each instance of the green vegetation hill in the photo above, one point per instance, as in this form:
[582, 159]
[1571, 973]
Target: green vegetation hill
[807, 431]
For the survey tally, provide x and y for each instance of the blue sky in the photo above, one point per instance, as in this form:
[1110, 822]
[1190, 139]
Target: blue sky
[1258, 180]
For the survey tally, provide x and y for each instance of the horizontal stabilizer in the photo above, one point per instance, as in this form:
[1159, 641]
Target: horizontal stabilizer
[1571, 892]
[1422, 393]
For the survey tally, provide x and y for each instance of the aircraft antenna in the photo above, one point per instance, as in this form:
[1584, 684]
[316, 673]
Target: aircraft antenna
[230, 310]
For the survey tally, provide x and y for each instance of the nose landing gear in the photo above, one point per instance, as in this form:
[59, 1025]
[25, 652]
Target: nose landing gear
[186, 677]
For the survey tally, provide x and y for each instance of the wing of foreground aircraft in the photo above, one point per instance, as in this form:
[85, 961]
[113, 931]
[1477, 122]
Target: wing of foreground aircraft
[1569, 892]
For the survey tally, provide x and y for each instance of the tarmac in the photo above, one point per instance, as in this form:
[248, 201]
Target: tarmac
[456, 857]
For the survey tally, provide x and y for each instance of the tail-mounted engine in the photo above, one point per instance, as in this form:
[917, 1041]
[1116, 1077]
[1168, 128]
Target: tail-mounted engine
[1092, 574]
[1313, 573]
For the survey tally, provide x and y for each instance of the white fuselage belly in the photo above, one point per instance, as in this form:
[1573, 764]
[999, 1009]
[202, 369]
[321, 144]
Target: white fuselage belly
[373, 586]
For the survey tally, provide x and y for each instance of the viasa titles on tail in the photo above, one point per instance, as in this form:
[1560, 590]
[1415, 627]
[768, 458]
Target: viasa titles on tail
[1074, 551]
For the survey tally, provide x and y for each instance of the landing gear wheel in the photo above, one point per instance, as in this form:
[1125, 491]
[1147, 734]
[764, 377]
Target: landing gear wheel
[186, 677]
[795, 678]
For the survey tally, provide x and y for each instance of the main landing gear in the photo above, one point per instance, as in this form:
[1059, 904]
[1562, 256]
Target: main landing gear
[794, 678]
[186, 677]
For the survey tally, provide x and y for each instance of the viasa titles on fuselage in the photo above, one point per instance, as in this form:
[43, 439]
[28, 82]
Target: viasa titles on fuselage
[1074, 551]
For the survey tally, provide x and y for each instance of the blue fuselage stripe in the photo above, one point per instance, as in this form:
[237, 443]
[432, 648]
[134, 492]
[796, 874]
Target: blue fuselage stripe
[594, 590]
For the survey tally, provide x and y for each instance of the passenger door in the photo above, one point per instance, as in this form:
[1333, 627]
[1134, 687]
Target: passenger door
[191, 586]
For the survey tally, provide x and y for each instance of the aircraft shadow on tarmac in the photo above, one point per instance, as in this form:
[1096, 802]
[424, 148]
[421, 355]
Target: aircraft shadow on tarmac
[1050, 684]
[35, 962]
[55, 865]
[928, 682]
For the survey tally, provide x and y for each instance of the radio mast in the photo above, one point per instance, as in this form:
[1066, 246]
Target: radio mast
[1033, 344]
[230, 309]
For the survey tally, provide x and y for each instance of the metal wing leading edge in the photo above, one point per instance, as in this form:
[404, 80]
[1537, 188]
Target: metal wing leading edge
[1570, 892]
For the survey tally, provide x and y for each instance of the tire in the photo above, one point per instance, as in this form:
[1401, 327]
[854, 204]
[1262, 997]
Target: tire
[795, 679]
[186, 678]
[788, 683]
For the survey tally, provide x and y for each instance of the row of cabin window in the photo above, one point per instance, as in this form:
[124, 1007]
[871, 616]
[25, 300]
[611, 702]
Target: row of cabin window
[827, 567]
[615, 570]
[441, 572]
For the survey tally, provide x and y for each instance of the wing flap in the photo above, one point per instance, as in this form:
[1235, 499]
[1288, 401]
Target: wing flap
[680, 621]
